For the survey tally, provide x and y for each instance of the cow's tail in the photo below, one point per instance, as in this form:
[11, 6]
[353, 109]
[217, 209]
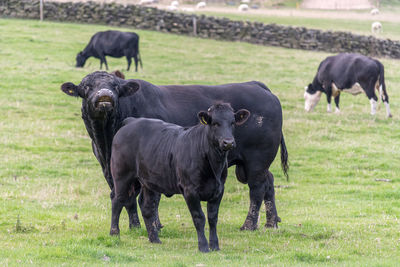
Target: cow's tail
[382, 86]
[284, 158]
[139, 57]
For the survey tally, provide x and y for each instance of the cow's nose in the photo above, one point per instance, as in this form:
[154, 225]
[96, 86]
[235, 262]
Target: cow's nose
[228, 144]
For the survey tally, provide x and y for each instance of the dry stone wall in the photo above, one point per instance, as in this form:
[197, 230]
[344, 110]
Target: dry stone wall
[149, 18]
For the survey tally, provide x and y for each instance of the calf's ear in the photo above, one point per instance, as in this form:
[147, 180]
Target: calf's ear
[204, 117]
[129, 88]
[70, 89]
[241, 116]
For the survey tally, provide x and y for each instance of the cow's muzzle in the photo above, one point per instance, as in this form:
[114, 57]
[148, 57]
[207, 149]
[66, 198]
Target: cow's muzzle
[104, 99]
[228, 144]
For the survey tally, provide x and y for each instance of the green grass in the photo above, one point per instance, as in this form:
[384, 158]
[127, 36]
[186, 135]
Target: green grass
[54, 201]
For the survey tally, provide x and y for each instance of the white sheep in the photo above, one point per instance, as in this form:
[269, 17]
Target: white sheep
[201, 5]
[374, 11]
[187, 9]
[172, 8]
[245, 1]
[146, 2]
[243, 7]
[175, 3]
[376, 27]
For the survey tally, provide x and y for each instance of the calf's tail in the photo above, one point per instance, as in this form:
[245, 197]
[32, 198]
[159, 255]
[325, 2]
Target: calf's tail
[284, 158]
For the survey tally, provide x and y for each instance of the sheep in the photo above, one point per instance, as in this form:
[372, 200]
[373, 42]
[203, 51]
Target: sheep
[376, 27]
[187, 9]
[172, 8]
[374, 11]
[245, 1]
[146, 2]
[174, 3]
[243, 7]
[201, 5]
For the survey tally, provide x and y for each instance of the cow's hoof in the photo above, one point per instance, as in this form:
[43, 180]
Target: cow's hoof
[155, 240]
[390, 116]
[204, 249]
[214, 248]
[248, 226]
[273, 223]
[114, 232]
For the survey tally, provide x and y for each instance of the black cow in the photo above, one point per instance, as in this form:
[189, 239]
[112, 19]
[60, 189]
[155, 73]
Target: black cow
[114, 44]
[170, 159]
[352, 73]
[107, 100]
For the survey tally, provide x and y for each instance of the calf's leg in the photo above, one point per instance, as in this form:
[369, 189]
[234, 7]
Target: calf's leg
[199, 220]
[117, 205]
[131, 206]
[212, 214]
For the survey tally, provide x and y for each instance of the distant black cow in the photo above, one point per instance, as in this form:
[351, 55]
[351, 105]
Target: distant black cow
[352, 73]
[170, 159]
[107, 100]
[114, 44]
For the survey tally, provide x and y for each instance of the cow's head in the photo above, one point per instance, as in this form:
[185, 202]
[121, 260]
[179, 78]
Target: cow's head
[80, 60]
[311, 96]
[221, 121]
[100, 93]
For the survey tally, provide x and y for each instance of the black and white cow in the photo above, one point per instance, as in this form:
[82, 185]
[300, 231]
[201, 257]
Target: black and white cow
[352, 73]
[170, 159]
[107, 100]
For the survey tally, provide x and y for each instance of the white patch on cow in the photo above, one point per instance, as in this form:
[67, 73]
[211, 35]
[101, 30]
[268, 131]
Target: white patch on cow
[337, 110]
[335, 91]
[311, 100]
[388, 114]
[259, 121]
[354, 90]
[329, 107]
[373, 106]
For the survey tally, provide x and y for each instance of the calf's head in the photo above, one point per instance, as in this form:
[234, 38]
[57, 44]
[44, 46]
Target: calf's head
[312, 97]
[100, 93]
[221, 121]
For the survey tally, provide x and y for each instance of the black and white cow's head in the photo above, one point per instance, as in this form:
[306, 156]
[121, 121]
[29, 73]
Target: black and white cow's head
[222, 121]
[100, 93]
[312, 95]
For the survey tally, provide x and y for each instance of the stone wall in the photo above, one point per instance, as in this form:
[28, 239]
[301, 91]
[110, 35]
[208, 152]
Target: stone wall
[149, 18]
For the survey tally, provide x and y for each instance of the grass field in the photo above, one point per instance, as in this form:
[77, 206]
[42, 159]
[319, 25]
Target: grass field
[54, 201]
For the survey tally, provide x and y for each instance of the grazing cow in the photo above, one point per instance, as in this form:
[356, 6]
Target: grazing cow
[352, 73]
[169, 159]
[108, 100]
[114, 44]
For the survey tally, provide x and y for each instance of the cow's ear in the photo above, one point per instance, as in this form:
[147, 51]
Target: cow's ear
[241, 116]
[70, 89]
[129, 88]
[204, 118]
[119, 74]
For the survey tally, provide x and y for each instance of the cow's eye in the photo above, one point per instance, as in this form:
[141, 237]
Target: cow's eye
[233, 123]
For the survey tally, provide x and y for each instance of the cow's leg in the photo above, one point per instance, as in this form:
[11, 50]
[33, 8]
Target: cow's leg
[129, 59]
[337, 99]
[212, 214]
[135, 57]
[199, 220]
[157, 199]
[105, 62]
[385, 99]
[329, 97]
[131, 206]
[147, 204]
[257, 184]
[269, 199]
